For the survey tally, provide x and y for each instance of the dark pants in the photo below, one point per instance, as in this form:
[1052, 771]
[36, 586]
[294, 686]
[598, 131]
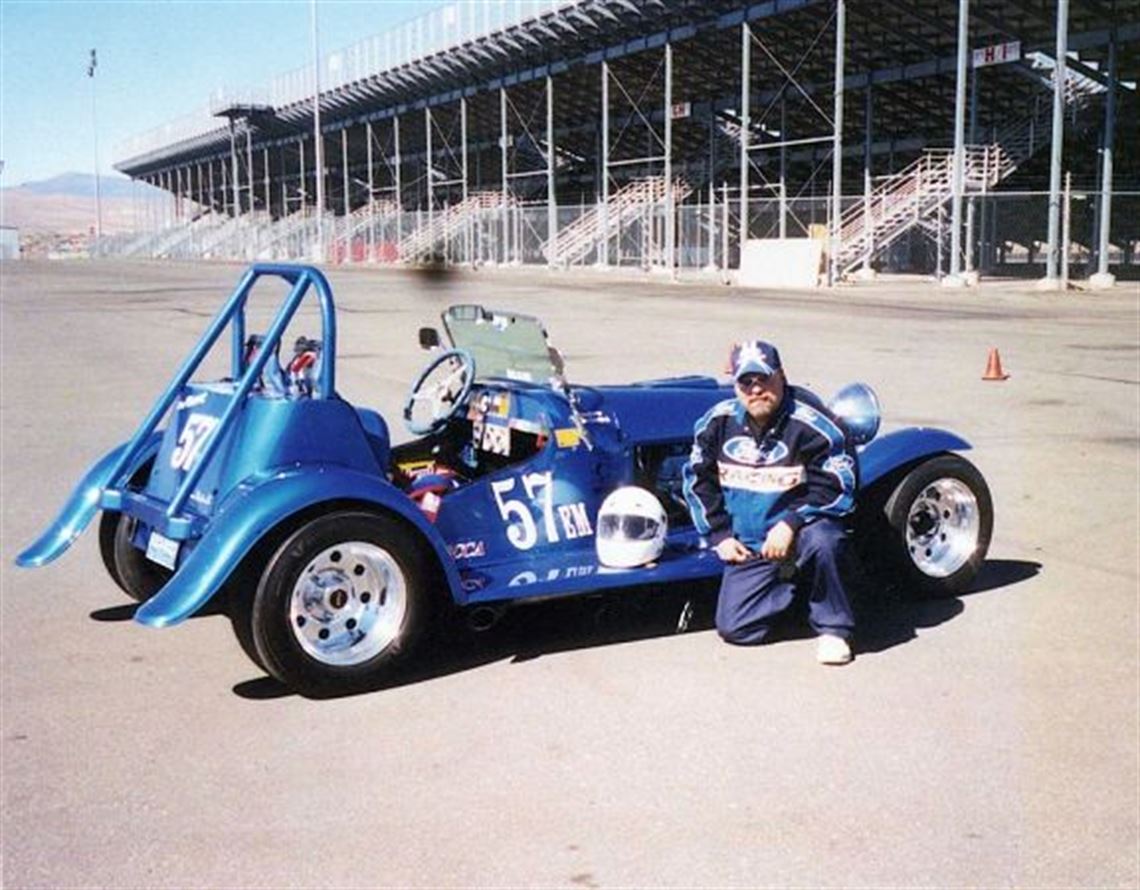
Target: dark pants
[753, 593]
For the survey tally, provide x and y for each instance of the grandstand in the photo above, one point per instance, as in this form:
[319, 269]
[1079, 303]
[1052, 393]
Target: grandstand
[663, 134]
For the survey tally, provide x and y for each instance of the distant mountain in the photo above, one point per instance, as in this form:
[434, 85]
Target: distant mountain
[82, 185]
[66, 204]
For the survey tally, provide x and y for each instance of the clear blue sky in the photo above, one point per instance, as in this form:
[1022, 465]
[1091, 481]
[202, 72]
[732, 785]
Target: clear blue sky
[157, 60]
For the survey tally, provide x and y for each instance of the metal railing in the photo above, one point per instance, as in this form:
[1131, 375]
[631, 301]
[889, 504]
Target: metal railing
[437, 31]
[917, 193]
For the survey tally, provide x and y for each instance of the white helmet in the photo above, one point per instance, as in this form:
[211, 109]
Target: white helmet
[631, 528]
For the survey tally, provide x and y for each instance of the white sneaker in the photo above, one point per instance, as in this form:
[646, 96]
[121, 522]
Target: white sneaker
[833, 650]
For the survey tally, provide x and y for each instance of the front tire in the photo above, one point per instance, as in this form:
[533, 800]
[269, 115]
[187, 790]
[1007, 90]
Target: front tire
[940, 519]
[344, 599]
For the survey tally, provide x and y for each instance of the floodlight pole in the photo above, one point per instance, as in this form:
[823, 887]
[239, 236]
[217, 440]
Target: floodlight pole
[95, 147]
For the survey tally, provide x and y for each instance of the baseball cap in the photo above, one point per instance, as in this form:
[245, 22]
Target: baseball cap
[753, 357]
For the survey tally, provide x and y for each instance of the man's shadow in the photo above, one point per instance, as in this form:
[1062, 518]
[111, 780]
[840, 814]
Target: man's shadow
[887, 617]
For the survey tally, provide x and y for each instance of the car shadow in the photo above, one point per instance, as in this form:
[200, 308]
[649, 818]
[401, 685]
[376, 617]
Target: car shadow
[526, 632]
[892, 616]
[126, 611]
[531, 630]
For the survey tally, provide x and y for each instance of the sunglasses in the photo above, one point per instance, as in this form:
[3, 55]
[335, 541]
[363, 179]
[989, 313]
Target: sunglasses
[753, 381]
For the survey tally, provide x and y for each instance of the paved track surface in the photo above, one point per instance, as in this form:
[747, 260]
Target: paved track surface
[984, 741]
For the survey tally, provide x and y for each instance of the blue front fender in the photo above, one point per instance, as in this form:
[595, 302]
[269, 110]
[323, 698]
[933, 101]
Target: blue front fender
[81, 507]
[252, 510]
[901, 447]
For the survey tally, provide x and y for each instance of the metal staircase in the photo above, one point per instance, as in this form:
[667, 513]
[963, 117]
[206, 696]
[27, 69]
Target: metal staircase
[446, 223]
[350, 244]
[602, 223]
[914, 196]
[290, 237]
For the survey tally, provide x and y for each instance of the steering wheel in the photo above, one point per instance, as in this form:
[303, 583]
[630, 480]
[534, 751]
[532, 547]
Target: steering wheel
[442, 387]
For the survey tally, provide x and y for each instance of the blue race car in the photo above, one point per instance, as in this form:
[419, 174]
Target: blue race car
[336, 551]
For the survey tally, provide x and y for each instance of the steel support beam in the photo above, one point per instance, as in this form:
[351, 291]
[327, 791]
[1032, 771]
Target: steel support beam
[503, 162]
[345, 203]
[868, 142]
[745, 125]
[605, 246]
[302, 191]
[249, 163]
[430, 173]
[318, 140]
[670, 213]
[463, 150]
[783, 168]
[959, 175]
[551, 197]
[399, 182]
[371, 194]
[1059, 77]
[837, 144]
[970, 201]
[1103, 278]
[234, 170]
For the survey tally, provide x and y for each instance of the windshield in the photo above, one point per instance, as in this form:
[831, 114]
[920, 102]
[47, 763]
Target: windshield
[504, 344]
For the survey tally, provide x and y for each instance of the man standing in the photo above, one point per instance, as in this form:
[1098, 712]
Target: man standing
[770, 479]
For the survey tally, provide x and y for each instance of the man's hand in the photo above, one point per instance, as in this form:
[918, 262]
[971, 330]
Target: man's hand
[731, 550]
[778, 544]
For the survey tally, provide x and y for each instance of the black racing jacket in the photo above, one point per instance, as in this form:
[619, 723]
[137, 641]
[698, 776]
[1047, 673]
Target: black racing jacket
[740, 483]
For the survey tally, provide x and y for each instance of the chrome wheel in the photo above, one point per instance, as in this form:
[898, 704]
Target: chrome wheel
[942, 527]
[349, 603]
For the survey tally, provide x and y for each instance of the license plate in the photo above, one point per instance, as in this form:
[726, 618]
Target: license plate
[162, 550]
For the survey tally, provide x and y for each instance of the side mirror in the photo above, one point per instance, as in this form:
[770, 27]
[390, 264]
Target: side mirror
[429, 338]
[556, 361]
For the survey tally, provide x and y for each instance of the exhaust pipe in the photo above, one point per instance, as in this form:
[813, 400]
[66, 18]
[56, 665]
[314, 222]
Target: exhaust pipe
[483, 618]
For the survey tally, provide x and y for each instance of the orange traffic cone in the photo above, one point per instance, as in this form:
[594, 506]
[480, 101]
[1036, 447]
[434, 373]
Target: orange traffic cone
[993, 367]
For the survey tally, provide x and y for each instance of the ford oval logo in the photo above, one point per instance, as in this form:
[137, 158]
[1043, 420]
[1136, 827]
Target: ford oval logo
[744, 450]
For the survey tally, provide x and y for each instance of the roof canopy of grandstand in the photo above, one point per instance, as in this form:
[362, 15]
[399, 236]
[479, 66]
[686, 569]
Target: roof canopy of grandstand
[552, 105]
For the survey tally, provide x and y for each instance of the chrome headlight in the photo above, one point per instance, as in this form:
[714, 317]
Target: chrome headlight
[858, 407]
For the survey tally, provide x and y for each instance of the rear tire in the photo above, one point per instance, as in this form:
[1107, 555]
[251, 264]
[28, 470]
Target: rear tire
[939, 522]
[341, 602]
[128, 566]
[125, 563]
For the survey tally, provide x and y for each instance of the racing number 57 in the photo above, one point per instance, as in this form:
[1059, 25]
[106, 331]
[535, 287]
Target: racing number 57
[192, 440]
[522, 531]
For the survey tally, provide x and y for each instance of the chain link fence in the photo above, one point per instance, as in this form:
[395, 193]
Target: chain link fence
[1004, 233]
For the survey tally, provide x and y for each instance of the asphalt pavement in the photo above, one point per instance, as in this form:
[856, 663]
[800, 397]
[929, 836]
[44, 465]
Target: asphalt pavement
[989, 740]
